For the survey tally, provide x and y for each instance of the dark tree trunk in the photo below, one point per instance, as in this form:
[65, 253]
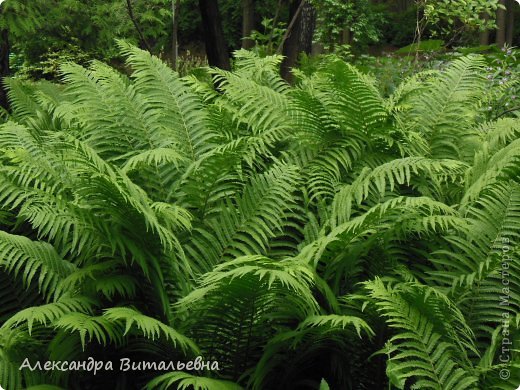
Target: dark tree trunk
[299, 36]
[501, 25]
[510, 22]
[4, 66]
[484, 35]
[216, 47]
[248, 23]
[403, 5]
[308, 25]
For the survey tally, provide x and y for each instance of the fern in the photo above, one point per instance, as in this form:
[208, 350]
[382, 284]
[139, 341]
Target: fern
[27, 259]
[419, 350]
[287, 232]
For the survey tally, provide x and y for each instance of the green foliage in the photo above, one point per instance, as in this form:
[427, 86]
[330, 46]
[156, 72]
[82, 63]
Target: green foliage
[302, 236]
[470, 14]
[430, 45]
[360, 17]
[267, 40]
[187, 381]
[79, 31]
[21, 17]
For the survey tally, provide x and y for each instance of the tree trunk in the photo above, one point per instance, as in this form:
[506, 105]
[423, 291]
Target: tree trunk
[4, 66]
[345, 36]
[248, 23]
[131, 15]
[308, 25]
[510, 22]
[403, 5]
[484, 35]
[175, 32]
[501, 25]
[216, 47]
[298, 37]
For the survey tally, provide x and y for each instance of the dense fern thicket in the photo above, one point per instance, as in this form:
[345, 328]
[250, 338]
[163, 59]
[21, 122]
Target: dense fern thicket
[291, 233]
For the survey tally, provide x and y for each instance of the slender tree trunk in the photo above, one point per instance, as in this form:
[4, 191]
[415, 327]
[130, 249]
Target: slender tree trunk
[4, 66]
[510, 22]
[216, 47]
[501, 25]
[130, 10]
[248, 23]
[298, 36]
[484, 35]
[175, 32]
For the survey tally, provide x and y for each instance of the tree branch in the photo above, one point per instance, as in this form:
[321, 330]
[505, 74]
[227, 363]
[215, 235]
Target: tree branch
[134, 21]
[291, 25]
[275, 22]
[508, 111]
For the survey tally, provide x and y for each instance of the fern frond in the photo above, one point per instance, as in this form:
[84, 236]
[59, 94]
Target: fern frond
[154, 157]
[420, 349]
[333, 321]
[95, 328]
[351, 96]
[49, 313]
[239, 303]
[486, 171]
[445, 110]
[245, 227]
[264, 110]
[21, 256]
[183, 381]
[148, 326]
[169, 102]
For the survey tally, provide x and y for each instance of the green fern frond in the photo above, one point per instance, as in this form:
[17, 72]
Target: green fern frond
[28, 259]
[264, 110]
[183, 381]
[49, 313]
[154, 157]
[420, 350]
[169, 102]
[245, 226]
[445, 110]
[239, 303]
[95, 328]
[385, 178]
[333, 321]
[148, 326]
[351, 96]
[486, 171]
